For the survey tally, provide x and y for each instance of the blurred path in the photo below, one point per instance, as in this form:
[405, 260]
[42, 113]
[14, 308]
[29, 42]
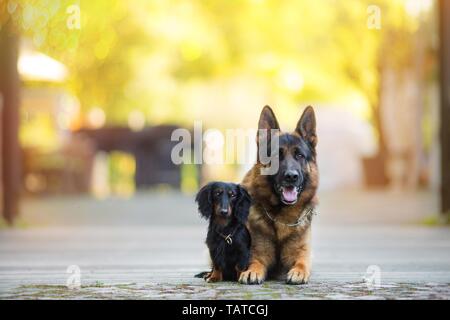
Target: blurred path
[151, 245]
[336, 208]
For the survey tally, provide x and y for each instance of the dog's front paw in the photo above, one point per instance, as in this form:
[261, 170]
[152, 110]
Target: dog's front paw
[254, 275]
[214, 276]
[206, 275]
[213, 279]
[298, 275]
[251, 277]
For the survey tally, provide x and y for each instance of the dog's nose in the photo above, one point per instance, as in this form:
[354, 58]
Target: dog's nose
[224, 212]
[291, 176]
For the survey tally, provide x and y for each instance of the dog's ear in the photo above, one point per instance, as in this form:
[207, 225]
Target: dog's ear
[204, 200]
[267, 122]
[306, 126]
[267, 119]
[242, 206]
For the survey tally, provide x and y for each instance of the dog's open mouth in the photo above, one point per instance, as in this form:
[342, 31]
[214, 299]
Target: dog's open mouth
[289, 194]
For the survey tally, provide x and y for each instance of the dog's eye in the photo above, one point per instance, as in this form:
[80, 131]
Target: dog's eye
[232, 194]
[218, 193]
[299, 156]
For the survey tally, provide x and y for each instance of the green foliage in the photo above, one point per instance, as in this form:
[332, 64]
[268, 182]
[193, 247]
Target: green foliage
[437, 220]
[147, 55]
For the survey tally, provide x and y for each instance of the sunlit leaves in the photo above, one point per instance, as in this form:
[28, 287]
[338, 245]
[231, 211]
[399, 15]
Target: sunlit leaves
[148, 55]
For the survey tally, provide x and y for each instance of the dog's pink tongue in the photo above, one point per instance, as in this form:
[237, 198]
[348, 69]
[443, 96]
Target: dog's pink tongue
[290, 194]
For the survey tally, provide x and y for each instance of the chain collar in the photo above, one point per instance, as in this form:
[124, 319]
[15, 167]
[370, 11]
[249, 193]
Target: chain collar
[304, 218]
[228, 238]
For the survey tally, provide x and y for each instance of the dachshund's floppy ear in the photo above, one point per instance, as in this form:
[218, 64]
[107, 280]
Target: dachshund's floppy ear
[204, 200]
[243, 203]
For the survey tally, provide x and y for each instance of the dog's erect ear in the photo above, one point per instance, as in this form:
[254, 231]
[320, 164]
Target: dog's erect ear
[204, 200]
[242, 206]
[267, 121]
[306, 126]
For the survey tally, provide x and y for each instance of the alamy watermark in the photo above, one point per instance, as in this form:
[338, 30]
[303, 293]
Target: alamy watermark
[214, 147]
[74, 279]
[373, 17]
[74, 17]
[373, 277]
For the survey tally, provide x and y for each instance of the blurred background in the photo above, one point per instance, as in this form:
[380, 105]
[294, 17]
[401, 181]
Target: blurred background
[92, 90]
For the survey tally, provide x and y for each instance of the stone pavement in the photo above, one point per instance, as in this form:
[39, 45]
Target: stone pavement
[150, 246]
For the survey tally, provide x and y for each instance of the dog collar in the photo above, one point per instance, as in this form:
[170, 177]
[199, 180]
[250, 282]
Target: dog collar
[304, 218]
[228, 238]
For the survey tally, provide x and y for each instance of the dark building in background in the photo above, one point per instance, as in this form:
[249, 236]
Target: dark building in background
[150, 147]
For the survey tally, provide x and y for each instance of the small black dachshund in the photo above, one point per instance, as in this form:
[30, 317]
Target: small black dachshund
[227, 206]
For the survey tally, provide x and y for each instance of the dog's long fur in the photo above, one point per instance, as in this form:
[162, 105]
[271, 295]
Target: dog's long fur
[226, 206]
[278, 249]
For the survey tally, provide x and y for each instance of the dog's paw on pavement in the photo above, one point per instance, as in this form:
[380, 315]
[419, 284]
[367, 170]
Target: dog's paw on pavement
[251, 277]
[297, 276]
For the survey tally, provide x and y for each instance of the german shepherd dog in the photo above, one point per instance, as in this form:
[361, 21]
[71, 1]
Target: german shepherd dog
[283, 204]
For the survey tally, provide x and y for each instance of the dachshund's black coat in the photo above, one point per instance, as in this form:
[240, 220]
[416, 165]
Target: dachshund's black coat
[226, 206]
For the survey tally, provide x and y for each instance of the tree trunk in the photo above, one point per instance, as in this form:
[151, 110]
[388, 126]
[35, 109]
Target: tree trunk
[10, 150]
[444, 28]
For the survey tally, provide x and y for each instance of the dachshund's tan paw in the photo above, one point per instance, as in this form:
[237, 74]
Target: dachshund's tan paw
[214, 276]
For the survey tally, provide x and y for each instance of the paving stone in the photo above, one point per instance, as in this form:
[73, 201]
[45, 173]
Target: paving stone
[142, 249]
